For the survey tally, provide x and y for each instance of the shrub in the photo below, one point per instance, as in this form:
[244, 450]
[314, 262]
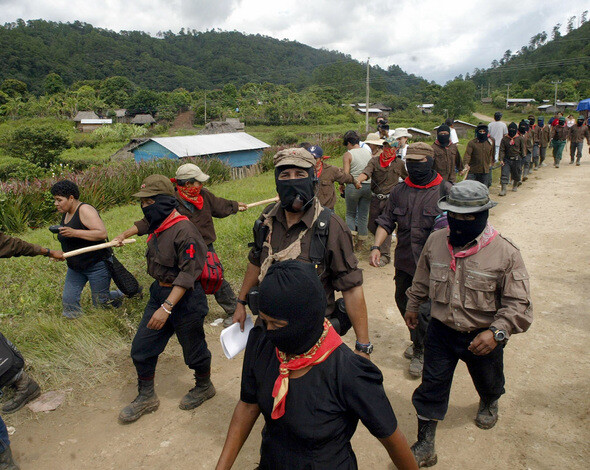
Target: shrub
[117, 132]
[40, 144]
[19, 169]
[282, 137]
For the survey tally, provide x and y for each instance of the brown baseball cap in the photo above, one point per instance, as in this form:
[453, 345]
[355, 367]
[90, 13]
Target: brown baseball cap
[294, 156]
[418, 151]
[154, 185]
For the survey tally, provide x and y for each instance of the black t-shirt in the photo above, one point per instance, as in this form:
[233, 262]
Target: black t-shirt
[322, 408]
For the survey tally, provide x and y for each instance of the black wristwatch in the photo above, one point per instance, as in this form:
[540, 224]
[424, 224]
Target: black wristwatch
[243, 302]
[364, 348]
[376, 247]
[499, 335]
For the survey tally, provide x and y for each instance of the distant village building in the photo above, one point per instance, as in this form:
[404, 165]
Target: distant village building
[121, 116]
[519, 102]
[486, 100]
[83, 115]
[419, 134]
[426, 108]
[237, 149]
[373, 112]
[560, 106]
[464, 129]
[142, 119]
[90, 125]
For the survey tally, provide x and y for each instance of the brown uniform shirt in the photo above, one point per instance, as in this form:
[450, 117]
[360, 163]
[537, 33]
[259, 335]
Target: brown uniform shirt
[177, 255]
[447, 160]
[10, 246]
[559, 133]
[479, 155]
[384, 179]
[489, 288]
[331, 174]
[528, 140]
[541, 135]
[513, 151]
[578, 133]
[339, 269]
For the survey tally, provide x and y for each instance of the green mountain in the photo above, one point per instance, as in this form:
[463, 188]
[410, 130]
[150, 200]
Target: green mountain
[31, 50]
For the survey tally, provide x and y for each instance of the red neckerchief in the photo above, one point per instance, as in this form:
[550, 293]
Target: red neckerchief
[435, 182]
[485, 239]
[387, 156]
[192, 195]
[325, 346]
[511, 139]
[169, 221]
[319, 172]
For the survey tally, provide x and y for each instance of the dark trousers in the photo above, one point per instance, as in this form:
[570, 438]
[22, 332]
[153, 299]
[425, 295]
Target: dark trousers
[538, 154]
[186, 321]
[225, 296]
[511, 168]
[576, 146]
[403, 281]
[484, 178]
[375, 209]
[527, 163]
[4, 439]
[442, 350]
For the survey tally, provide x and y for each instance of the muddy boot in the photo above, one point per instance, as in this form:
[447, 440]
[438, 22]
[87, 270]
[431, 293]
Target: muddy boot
[145, 402]
[502, 191]
[417, 362]
[515, 186]
[6, 460]
[487, 415]
[578, 161]
[423, 449]
[409, 352]
[202, 391]
[572, 161]
[26, 390]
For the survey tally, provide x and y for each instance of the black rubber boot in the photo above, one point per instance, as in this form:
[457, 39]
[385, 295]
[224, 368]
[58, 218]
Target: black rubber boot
[6, 460]
[487, 415]
[145, 402]
[417, 363]
[503, 190]
[515, 185]
[423, 450]
[196, 396]
[26, 390]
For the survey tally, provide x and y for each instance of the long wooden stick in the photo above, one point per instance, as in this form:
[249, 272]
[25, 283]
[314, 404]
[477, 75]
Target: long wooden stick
[88, 249]
[266, 201]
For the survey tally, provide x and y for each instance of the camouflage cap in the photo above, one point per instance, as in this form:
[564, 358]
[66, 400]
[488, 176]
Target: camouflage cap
[294, 156]
[418, 151]
[154, 185]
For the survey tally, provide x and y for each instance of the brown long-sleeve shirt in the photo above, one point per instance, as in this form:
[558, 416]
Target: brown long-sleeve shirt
[578, 133]
[10, 246]
[330, 175]
[384, 179]
[479, 155]
[447, 161]
[488, 288]
[541, 135]
[512, 148]
[559, 133]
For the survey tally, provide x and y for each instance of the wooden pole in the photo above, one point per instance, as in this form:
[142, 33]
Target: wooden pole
[367, 99]
[89, 249]
[266, 201]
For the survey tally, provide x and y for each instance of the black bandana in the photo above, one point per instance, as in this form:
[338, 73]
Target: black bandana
[512, 129]
[464, 231]
[158, 211]
[421, 173]
[295, 194]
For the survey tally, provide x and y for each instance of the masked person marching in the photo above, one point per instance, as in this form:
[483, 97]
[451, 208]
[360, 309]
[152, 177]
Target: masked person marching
[526, 134]
[176, 254]
[512, 151]
[577, 133]
[479, 289]
[479, 156]
[559, 135]
[297, 227]
[541, 137]
[411, 207]
[447, 159]
[310, 387]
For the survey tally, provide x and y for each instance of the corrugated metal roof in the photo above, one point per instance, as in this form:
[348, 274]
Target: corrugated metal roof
[371, 110]
[520, 100]
[212, 144]
[96, 121]
[419, 131]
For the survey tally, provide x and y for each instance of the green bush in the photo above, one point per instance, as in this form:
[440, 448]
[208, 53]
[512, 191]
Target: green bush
[19, 169]
[117, 132]
[282, 137]
[40, 144]
[85, 157]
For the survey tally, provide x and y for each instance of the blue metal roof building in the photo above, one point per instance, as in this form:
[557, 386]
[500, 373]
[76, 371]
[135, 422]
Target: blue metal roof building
[236, 149]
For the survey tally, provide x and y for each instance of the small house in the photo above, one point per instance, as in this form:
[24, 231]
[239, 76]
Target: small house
[90, 125]
[85, 115]
[143, 119]
[560, 106]
[382, 107]
[486, 100]
[237, 149]
[121, 116]
[463, 129]
[519, 102]
[426, 108]
[373, 112]
[419, 134]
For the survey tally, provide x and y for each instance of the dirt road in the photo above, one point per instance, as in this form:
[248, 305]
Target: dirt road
[544, 416]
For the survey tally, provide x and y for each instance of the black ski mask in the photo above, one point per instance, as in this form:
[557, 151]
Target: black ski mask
[580, 122]
[512, 129]
[158, 211]
[292, 291]
[421, 173]
[481, 133]
[295, 194]
[464, 231]
[523, 127]
[443, 139]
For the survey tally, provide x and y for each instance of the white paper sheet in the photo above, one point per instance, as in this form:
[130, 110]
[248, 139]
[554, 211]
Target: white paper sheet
[233, 340]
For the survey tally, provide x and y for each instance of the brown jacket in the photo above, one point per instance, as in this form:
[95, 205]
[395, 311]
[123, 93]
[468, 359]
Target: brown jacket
[489, 288]
[413, 211]
[559, 133]
[338, 271]
[541, 135]
[331, 174]
[384, 179]
[528, 140]
[10, 246]
[479, 155]
[512, 151]
[447, 161]
[578, 133]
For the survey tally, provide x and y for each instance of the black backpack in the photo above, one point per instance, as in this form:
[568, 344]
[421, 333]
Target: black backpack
[11, 361]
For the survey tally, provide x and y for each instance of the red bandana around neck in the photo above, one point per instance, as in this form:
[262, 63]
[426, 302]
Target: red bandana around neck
[192, 195]
[435, 182]
[387, 156]
[320, 170]
[325, 346]
[485, 239]
[169, 221]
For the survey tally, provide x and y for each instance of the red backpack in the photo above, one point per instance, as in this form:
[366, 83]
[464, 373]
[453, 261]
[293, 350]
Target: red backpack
[212, 275]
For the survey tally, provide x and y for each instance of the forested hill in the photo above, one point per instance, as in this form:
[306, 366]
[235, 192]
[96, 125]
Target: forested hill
[78, 51]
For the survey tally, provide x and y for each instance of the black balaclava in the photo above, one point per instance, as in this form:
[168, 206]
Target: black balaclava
[292, 291]
[464, 231]
[295, 194]
[541, 122]
[512, 129]
[580, 122]
[443, 139]
[481, 132]
[523, 127]
[421, 173]
[531, 121]
[156, 213]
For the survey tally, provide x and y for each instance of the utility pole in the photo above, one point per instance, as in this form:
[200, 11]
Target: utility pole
[557, 82]
[367, 99]
[481, 91]
[205, 108]
[489, 89]
[507, 93]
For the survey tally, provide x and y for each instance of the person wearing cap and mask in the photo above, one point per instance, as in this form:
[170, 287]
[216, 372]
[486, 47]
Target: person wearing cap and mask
[497, 129]
[411, 207]
[512, 151]
[577, 133]
[559, 135]
[447, 159]
[479, 288]
[310, 387]
[526, 134]
[385, 170]
[541, 137]
[327, 175]
[176, 254]
[479, 156]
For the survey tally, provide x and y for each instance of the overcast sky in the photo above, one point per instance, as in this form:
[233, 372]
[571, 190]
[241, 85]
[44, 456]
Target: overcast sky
[431, 38]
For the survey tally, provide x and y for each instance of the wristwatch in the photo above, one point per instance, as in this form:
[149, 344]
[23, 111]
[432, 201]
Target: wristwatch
[376, 247]
[499, 335]
[364, 348]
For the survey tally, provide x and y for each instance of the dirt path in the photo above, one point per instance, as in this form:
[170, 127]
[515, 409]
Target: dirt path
[544, 416]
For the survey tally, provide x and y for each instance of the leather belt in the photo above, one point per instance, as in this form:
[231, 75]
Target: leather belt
[381, 196]
[165, 284]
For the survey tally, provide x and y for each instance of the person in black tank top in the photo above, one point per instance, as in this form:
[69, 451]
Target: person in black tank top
[81, 226]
